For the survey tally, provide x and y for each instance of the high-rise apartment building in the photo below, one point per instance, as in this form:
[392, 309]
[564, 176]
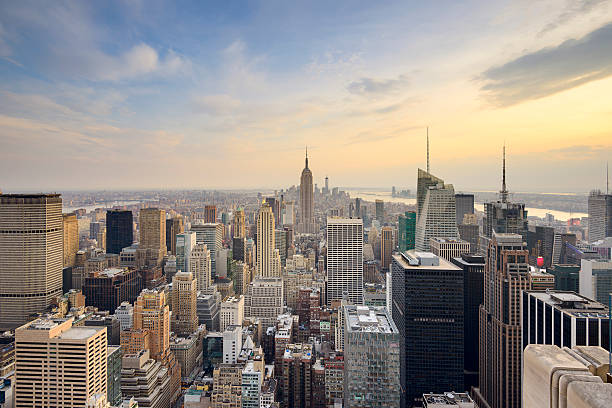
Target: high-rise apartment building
[600, 215]
[307, 222]
[448, 248]
[152, 227]
[386, 247]
[427, 308]
[345, 259]
[119, 230]
[58, 365]
[264, 300]
[210, 234]
[174, 226]
[210, 214]
[265, 243]
[200, 266]
[464, 204]
[71, 238]
[184, 306]
[595, 279]
[371, 358]
[506, 275]
[239, 224]
[407, 231]
[380, 211]
[31, 255]
[473, 280]
[437, 215]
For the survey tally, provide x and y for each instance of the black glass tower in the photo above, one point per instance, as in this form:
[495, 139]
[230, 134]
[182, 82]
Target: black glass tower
[119, 230]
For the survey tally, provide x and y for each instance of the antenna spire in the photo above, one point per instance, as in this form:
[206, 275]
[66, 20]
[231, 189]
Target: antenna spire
[504, 192]
[427, 149]
[607, 179]
[306, 156]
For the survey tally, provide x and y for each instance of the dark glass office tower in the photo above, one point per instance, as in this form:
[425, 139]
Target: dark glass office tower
[427, 299]
[119, 230]
[473, 278]
[540, 241]
[464, 204]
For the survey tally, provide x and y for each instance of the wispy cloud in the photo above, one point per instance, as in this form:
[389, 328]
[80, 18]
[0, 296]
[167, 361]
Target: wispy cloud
[573, 9]
[373, 86]
[550, 70]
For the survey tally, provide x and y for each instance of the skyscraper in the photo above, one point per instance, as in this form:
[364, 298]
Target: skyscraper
[174, 226]
[210, 214]
[119, 230]
[210, 234]
[151, 313]
[380, 211]
[264, 251]
[185, 242]
[71, 238]
[506, 275]
[345, 259]
[239, 224]
[58, 365]
[307, 224]
[386, 247]
[600, 215]
[407, 231]
[200, 266]
[464, 204]
[427, 308]
[152, 226]
[184, 305]
[31, 255]
[264, 300]
[437, 215]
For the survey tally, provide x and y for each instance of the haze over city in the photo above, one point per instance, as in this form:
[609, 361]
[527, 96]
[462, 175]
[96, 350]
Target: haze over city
[142, 95]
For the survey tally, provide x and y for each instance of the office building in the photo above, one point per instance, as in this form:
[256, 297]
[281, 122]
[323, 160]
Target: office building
[212, 235]
[125, 315]
[506, 275]
[380, 211]
[252, 379]
[288, 213]
[231, 312]
[184, 304]
[119, 230]
[145, 380]
[188, 353]
[264, 300]
[471, 234]
[241, 276]
[208, 305]
[307, 222]
[437, 214]
[210, 214]
[232, 343]
[152, 227]
[71, 238]
[386, 247]
[559, 247]
[174, 226]
[567, 277]
[239, 224]
[425, 180]
[239, 249]
[295, 376]
[595, 279]
[265, 265]
[185, 242]
[407, 230]
[449, 248]
[113, 375]
[45, 377]
[464, 204]
[31, 255]
[94, 229]
[600, 215]
[371, 358]
[151, 313]
[540, 240]
[427, 308]
[280, 243]
[274, 204]
[113, 328]
[108, 288]
[227, 386]
[473, 281]
[345, 259]
[200, 266]
[563, 318]
[555, 377]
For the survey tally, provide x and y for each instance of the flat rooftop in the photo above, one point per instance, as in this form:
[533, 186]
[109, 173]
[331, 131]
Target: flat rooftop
[571, 303]
[448, 398]
[443, 264]
[80, 332]
[369, 319]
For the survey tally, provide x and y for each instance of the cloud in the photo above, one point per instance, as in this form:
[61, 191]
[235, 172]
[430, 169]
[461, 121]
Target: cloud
[550, 70]
[378, 136]
[373, 86]
[580, 151]
[216, 104]
[573, 9]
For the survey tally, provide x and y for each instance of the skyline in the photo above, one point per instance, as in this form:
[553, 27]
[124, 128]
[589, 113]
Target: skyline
[170, 96]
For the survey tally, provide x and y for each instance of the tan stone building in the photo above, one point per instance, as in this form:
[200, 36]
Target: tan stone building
[227, 386]
[71, 238]
[152, 225]
[58, 365]
[184, 304]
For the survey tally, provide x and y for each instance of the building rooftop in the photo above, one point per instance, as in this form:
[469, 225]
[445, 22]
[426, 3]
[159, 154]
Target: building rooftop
[571, 303]
[470, 259]
[448, 240]
[425, 260]
[369, 319]
[80, 332]
[112, 272]
[448, 398]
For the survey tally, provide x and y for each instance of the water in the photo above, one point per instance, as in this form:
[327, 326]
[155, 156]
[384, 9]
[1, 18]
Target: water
[109, 204]
[532, 212]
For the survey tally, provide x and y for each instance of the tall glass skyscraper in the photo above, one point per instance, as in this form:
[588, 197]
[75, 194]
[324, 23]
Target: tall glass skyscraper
[119, 230]
[407, 229]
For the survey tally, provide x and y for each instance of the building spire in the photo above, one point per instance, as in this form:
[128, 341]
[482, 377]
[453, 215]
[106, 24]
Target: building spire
[503, 194]
[427, 149]
[307, 156]
[607, 179]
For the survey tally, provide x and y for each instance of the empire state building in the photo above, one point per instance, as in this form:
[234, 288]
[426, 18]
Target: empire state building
[307, 224]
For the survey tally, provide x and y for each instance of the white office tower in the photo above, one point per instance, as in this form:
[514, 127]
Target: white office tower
[200, 265]
[232, 312]
[232, 343]
[125, 315]
[345, 259]
[184, 245]
[437, 218]
[265, 243]
[595, 279]
[264, 300]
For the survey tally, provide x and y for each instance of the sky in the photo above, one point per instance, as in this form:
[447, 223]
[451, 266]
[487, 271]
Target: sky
[220, 95]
